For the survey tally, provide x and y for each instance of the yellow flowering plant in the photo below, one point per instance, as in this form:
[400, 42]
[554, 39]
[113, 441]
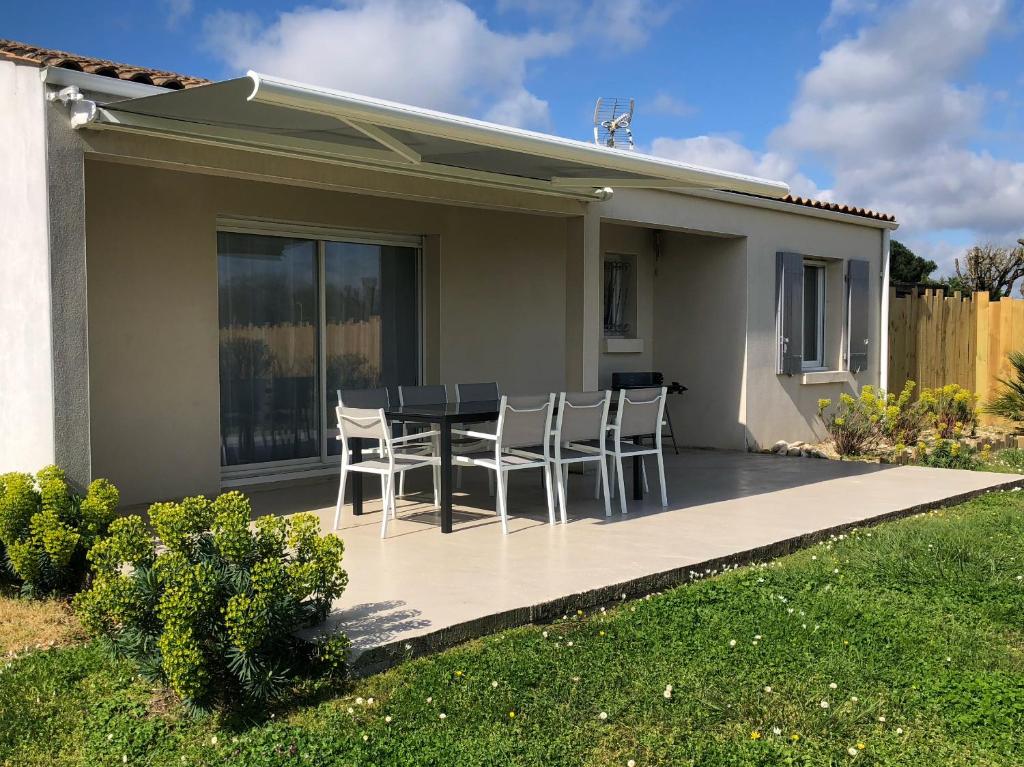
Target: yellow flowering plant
[954, 409]
[853, 423]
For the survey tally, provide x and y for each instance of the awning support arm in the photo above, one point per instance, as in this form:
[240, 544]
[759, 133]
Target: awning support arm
[385, 139]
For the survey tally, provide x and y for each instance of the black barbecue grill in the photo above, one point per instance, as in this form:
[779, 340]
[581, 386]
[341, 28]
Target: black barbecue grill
[649, 380]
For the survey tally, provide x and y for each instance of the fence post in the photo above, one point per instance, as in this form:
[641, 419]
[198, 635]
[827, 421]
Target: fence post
[983, 343]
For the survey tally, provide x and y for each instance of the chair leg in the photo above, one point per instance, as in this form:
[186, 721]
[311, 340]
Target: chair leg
[437, 487]
[401, 485]
[550, 495]
[502, 480]
[643, 473]
[603, 476]
[661, 476]
[385, 494]
[611, 468]
[341, 498]
[622, 483]
[597, 482]
[560, 480]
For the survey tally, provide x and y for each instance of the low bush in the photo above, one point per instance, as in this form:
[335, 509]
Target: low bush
[215, 611]
[954, 409]
[904, 419]
[948, 454]
[853, 422]
[47, 530]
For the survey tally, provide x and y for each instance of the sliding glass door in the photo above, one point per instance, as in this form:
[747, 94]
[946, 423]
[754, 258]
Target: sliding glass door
[299, 319]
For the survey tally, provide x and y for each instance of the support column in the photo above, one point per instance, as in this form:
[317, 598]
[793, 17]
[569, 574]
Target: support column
[583, 301]
[68, 296]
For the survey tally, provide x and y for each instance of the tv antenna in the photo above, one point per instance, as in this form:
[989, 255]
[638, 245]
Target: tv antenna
[612, 115]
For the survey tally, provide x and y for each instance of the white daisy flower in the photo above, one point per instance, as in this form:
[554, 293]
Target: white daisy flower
[824, 704]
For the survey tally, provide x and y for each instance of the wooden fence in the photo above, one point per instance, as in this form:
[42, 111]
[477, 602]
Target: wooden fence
[936, 339]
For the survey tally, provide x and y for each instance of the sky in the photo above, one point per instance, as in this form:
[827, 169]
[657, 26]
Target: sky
[913, 107]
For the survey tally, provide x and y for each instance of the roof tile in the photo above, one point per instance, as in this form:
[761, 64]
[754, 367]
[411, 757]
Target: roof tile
[48, 57]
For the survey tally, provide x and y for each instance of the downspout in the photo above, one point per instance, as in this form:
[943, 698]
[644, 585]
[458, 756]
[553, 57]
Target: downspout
[883, 344]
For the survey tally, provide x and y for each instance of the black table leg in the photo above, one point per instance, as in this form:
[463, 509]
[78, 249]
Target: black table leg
[357, 476]
[638, 479]
[446, 476]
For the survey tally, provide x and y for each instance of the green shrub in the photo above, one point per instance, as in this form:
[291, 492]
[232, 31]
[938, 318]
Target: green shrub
[949, 454]
[1009, 403]
[215, 612]
[47, 529]
[854, 422]
[954, 409]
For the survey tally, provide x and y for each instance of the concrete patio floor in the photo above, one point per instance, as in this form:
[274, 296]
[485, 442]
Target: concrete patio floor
[419, 591]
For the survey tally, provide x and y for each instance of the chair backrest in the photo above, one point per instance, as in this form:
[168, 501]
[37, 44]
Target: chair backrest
[365, 398]
[525, 421]
[640, 412]
[363, 423]
[476, 392]
[582, 416]
[435, 394]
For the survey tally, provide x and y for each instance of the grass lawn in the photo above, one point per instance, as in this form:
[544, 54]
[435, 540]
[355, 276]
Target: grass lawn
[904, 643]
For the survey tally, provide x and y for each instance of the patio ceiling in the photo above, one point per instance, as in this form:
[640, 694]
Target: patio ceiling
[283, 117]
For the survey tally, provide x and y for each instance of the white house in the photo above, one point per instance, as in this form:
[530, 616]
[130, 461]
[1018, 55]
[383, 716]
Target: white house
[190, 269]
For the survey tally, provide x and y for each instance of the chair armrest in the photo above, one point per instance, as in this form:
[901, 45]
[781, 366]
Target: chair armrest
[475, 434]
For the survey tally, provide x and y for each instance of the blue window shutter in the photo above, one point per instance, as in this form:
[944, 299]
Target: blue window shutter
[858, 274]
[789, 307]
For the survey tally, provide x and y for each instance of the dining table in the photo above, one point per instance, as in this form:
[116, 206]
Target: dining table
[444, 416]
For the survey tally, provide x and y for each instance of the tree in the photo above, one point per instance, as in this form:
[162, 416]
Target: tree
[907, 266]
[991, 268]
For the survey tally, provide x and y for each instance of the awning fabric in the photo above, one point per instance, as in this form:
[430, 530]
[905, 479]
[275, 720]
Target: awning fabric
[284, 116]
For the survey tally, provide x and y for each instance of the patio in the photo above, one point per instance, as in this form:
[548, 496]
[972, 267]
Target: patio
[419, 591]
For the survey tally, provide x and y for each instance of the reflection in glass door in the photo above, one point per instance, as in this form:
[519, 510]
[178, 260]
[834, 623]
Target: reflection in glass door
[269, 378]
[372, 330]
[300, 319]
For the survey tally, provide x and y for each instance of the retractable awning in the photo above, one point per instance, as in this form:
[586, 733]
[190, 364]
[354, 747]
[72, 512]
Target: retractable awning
[284, 117]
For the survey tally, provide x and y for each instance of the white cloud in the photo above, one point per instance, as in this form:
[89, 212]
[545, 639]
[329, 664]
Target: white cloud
[725, 153]
[666, 104]
[434, 53]
[625, 24]
[887, 114]
[177, 11]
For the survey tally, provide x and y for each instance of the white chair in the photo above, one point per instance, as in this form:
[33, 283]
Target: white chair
[475, 392]
[435, 394]
[364, 423]
[521, 441]
[421, 442]
[640, 414]
[580, 436]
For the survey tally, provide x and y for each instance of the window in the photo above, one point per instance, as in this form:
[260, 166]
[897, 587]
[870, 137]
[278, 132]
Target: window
[299, 319]
[813, 323]
[619, 301]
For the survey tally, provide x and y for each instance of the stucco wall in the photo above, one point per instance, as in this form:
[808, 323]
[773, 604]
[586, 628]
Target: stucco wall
[26, 395]
[772, 406]
[499, 302]
[699, 325]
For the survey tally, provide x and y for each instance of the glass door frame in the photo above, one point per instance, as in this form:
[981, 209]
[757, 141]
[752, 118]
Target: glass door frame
[324, 463]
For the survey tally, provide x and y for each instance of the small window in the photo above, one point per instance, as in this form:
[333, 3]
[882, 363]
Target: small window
[814, 315]
[619, 296]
